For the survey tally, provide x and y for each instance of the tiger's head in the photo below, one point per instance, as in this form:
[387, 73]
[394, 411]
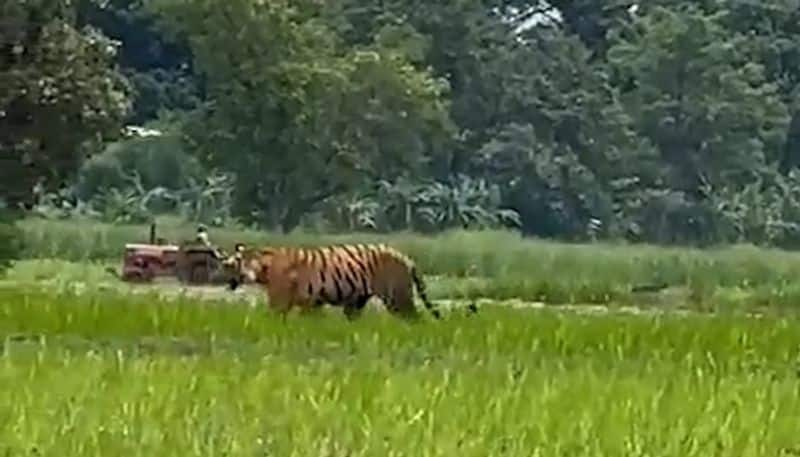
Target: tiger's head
[247, 266]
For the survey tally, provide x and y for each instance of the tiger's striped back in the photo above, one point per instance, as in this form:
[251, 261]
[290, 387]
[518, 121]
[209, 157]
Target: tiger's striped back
[344, 275]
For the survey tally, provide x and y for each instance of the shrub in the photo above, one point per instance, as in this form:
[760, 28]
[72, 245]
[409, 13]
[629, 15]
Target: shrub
[11, 242]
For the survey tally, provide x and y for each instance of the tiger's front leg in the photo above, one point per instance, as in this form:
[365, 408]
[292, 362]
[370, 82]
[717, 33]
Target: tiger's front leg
[279, 302]
[285, 294]
[281, 308]
[308, 307]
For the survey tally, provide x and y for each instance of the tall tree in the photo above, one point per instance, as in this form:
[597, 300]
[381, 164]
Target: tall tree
[589, 20]
[297, 117]
[773, 31]
[531, 99]
[59, 93]
[700, 95]
[157, 64]
[565, 144]
[458, 40]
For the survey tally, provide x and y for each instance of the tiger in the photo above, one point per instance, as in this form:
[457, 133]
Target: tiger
[345, 275]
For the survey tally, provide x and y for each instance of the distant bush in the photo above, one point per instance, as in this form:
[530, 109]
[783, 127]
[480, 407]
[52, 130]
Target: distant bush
[11, 242]
[495, 264]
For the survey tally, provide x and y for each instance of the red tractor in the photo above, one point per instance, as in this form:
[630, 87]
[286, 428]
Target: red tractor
[190, 262]
[144, 262]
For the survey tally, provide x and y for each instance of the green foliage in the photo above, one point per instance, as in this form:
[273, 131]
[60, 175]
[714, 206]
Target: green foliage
[11, 242]
[766, 210]
[700, 96]
[138, 178]
[207, 200]
[61, 93]
[300, 119]
[463, 202]
[157, 65]
[158, 160]
[665, 122]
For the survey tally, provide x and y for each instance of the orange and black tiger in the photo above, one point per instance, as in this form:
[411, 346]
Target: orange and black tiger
[345, 275]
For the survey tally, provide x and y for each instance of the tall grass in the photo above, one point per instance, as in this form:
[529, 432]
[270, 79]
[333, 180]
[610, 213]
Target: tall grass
[110, 375]
[502, 265]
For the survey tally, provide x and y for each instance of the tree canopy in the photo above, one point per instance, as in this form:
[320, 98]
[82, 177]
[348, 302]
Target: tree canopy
[664, 122]
[59, 90]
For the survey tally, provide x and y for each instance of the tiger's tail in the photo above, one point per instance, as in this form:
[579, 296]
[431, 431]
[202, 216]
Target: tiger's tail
[420, 283]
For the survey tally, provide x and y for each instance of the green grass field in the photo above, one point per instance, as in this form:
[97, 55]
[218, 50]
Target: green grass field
[92, 367]
[99, 373]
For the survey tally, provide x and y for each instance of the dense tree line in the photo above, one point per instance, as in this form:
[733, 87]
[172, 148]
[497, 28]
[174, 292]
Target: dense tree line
[669, 122]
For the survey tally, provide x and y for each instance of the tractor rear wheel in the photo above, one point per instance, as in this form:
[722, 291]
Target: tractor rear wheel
[199, 273]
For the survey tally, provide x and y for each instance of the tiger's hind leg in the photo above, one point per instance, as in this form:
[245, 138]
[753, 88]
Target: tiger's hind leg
[399, 300]
[307, 301]
[395, 289]
[353, 309]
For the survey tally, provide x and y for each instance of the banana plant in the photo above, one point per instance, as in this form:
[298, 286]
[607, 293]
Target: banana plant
[464, 202]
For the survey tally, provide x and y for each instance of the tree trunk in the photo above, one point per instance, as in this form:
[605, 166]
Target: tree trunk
[16, 184]
[791, 148]
[291, 218]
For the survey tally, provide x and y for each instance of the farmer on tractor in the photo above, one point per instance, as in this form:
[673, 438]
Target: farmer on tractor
[202, 235]
[202, 238]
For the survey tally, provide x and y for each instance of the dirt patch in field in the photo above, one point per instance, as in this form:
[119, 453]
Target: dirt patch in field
[251, 295]
[255, 296]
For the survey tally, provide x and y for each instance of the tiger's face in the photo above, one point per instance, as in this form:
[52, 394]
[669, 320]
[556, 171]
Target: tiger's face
[246, 266]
